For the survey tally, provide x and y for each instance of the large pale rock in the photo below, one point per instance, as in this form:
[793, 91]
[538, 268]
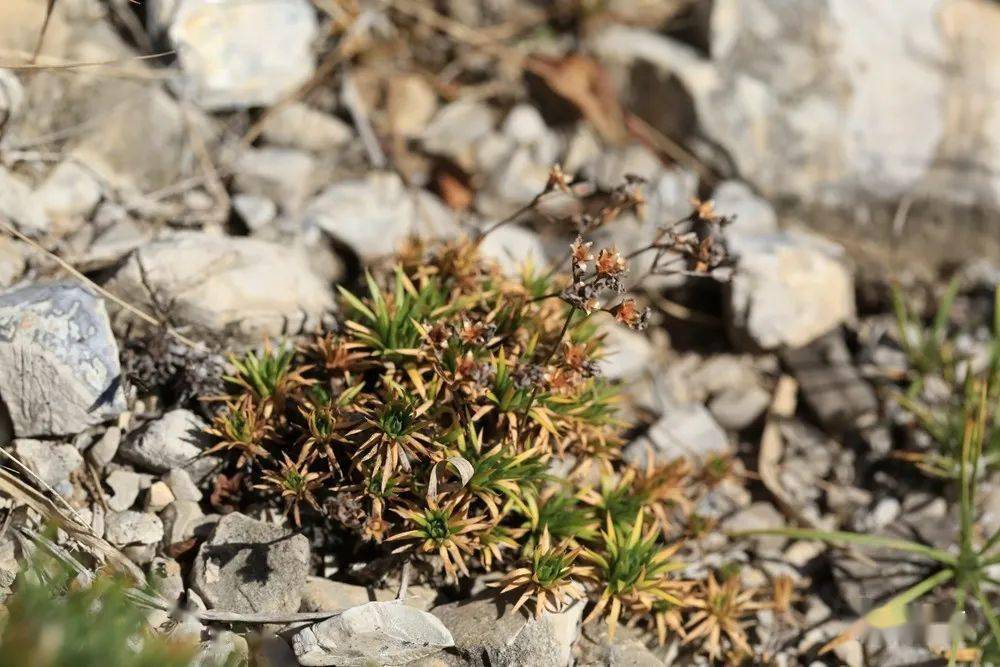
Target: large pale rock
[237, 54]
[376, 214]
[788, 289]
[59, 370]
[489, 633]
[833, 99]
[379, 633]
[242, 287]
[141, 138]
[250, 566]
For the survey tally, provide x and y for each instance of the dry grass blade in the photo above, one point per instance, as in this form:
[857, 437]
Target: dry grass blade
[72, 270]
[13, 487]
[50, 5]
[77, 65]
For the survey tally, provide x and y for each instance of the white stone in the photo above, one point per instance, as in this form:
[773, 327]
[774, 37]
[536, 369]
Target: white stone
[299, 126]
[175, 440]
[789, 288]
[514, 247]
[181, 485]
[376, 214]
[19, 206]
[12, 261]
[52, 463]
[682, 432]
[283, 175]
[124, 528]
[125, 485]
[456, 129]
[833, 100]
[237, 54]
[71, 190]
[389, 633]
[158, 497]
[243, 287]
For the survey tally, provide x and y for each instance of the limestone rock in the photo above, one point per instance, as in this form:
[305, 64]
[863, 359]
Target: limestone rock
[788, 288]
[52, 463]
[239, 286]
[251, 566]
[374, 215]
[227, 62]
[59, 369]
[384, 633]
[489, 633]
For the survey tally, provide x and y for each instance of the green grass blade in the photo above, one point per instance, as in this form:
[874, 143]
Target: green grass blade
[893, 612]
[991, 617]
[940, 326]
[873, 541]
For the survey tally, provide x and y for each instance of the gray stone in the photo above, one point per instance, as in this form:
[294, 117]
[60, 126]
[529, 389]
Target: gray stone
[283, 175]
[243, 287]
[386, 633]
[627, 353]
[59, 369]
[299, 126]
[19, 206]
[320, 594]
[753, 214]
[224, 59]
[251, 566]
[682, 432]
[226, 648]
[102, 452]
[52, 463]
[628, 649]
[183, 519]
[158, 497]
[128, 527]
[125, 485]
[759, 516]
[141, 142]
[165, 577]
[736, 409]
[181, 485]
[788, 288]
[69, 191]
[376, 214]
[832, 385]
[175, 440]
[255, 211]
[487, 632]
[456, 129]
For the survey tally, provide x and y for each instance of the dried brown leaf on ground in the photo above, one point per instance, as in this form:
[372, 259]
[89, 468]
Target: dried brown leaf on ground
[583, 82]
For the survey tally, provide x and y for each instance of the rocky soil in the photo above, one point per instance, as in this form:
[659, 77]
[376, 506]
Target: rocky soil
[215, 195]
